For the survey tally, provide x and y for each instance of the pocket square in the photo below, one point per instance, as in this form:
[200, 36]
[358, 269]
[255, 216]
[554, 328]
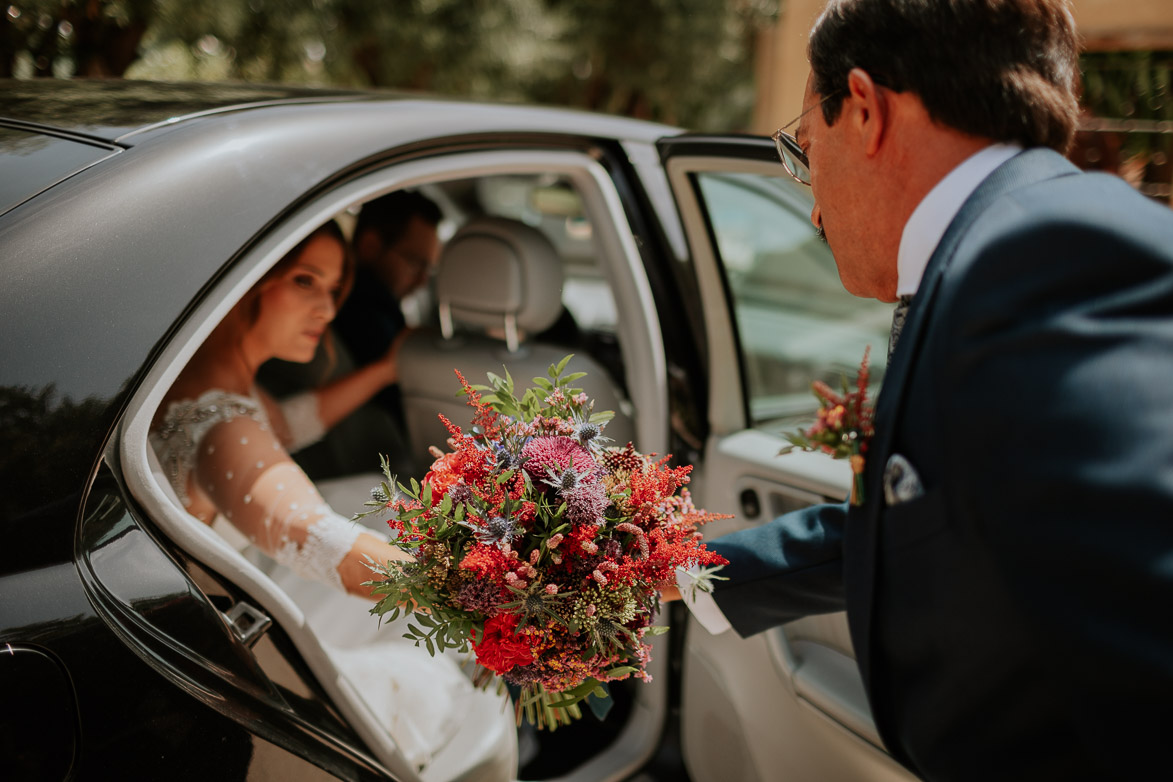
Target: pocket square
[901, 482]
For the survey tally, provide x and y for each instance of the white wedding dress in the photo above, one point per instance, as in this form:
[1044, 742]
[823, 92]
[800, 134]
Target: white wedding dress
[225, 462]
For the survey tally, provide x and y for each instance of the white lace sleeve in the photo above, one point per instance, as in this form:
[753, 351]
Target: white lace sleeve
[251, 479]
[302, 420]
[220, 450]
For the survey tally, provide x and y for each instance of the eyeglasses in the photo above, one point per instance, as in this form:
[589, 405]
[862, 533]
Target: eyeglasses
[791, 154]
[793, 158]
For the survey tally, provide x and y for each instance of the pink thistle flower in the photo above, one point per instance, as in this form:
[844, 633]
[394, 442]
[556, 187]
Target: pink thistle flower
[590, 610]
[598, 574]
[543, 455]
[551, 589]
[554, 541]
[590, 547]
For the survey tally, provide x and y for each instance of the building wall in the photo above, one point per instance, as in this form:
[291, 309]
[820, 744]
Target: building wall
[1105, 25]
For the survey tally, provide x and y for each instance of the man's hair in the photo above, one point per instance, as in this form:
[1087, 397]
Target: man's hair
[390, 214]
[1000, 69]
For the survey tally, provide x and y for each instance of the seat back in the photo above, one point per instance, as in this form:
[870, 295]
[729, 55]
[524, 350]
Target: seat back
[499, 283]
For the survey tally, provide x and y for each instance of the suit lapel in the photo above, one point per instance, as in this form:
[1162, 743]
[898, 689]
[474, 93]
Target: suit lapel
[861, 536]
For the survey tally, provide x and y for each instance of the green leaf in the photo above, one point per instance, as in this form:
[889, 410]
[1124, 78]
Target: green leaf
[542, 383]
[572, 377]
[656, 630]
[561, 365]
[622, 670]
[602, 417]
[505, 476]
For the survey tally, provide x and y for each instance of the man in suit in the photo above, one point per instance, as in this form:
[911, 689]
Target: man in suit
[1008, 575]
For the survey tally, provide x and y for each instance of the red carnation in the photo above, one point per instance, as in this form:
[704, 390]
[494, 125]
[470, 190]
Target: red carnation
[499, 649]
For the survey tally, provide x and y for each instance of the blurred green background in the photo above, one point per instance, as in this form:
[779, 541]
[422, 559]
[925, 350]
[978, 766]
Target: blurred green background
[690, 63]
[685, 62]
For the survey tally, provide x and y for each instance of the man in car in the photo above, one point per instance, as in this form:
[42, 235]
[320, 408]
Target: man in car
[1007, 573]
[396, 247]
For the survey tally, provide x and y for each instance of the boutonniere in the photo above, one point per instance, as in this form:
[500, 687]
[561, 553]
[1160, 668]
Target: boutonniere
[844, 425]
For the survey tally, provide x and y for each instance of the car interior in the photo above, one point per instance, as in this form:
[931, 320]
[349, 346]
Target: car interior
[528, 274]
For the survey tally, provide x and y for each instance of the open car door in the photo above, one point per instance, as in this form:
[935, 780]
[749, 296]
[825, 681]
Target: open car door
[788, 703]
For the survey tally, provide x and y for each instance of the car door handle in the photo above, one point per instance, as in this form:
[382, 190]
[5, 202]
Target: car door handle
[751, 504]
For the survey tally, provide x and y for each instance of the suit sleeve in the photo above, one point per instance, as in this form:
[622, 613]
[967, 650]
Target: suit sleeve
[782, 570]
[1057, 415]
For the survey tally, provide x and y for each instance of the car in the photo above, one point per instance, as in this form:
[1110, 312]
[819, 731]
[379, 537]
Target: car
[135, 644]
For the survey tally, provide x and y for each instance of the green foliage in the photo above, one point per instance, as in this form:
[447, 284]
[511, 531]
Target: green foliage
[1132, 86]
[500, 395]
[688, 62]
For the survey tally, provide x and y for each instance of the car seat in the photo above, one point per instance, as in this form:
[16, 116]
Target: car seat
[498, 285]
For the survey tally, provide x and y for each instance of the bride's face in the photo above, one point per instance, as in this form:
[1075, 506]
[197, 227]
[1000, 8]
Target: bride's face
[298, 303]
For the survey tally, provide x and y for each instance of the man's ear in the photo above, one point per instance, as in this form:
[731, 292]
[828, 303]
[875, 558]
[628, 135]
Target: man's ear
[872, 110]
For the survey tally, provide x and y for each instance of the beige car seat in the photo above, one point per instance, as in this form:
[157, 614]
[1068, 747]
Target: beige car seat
[499, 283]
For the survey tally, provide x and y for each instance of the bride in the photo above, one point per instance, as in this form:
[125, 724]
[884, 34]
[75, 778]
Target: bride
[225, 446]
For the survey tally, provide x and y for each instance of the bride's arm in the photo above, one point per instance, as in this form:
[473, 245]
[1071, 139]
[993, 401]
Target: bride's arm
[251, 479]
[304, 418]
[343, 396]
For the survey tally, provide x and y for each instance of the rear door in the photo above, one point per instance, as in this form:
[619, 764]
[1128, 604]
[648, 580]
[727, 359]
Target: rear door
[788, 703]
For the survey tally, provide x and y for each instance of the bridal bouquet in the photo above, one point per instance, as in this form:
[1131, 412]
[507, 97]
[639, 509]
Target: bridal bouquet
[539, 545]
[844, 425]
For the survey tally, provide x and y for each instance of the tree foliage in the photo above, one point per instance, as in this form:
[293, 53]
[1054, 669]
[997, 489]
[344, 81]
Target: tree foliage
[686, 62]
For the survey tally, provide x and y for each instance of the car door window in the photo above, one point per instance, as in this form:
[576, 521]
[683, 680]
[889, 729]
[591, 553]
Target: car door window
[795, 322]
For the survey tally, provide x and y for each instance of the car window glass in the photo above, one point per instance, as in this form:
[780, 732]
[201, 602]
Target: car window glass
[31, 162]
[795, 321]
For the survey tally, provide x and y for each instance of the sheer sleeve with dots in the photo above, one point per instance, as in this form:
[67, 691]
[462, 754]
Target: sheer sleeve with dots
[221, 455]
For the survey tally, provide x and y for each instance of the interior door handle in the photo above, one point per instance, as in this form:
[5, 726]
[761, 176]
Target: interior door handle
[751, 504]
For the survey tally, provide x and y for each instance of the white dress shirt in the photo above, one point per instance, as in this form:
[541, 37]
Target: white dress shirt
[925, 227]
[922, 233]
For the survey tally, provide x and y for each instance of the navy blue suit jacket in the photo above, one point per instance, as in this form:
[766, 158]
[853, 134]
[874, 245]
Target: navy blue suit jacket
[1016, 620]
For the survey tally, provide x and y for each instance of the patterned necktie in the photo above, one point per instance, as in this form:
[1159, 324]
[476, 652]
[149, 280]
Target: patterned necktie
[898, 317]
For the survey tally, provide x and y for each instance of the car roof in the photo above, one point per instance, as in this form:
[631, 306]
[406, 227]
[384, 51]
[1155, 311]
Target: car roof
[108, 109]
[124, 111]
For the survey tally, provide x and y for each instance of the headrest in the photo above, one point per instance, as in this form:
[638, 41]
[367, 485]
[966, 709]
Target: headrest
[497, 273]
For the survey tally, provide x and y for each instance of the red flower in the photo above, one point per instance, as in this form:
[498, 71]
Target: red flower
[499, 648]
[443, 475]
